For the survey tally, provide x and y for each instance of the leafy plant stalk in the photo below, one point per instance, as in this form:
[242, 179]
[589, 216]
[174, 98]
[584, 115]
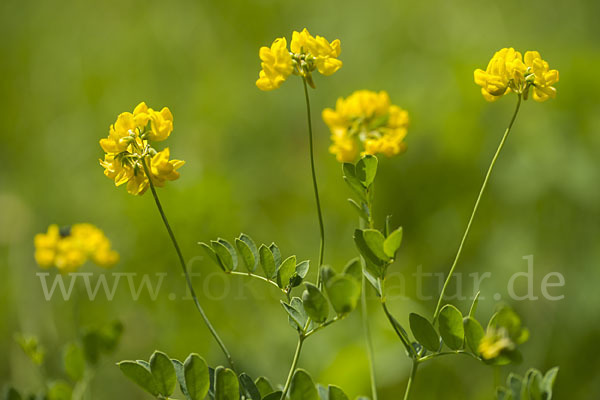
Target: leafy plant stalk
[411, 379]
[481, 191]
[364, 308]
[368, 341]
[288, 381]
[314, 180]
[185, 271]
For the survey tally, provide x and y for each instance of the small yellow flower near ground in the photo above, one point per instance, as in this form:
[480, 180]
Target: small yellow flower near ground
[508, 71]
[128, 145]
[307, 54]
[368, 118]
[69, 248]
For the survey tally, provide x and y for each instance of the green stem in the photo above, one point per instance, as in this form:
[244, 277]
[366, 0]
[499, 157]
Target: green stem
[411, 379]
[481, 191]
[251, 275]
[400, 331]
[368, 341]
[185, 271]
[286, 387]
[448, 353]
[324, 325]
[314, 180]
[364, 308]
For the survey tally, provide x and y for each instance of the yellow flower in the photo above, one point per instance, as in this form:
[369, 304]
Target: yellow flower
[325, 54]
[276, 64]
[507, 72]
[544, 77]
[69, 248]
[161, 124]
[128, 146]
[307, 54]
[163, 169]
[45, 246]
[494, 342]
[125, 128]
[369, 118]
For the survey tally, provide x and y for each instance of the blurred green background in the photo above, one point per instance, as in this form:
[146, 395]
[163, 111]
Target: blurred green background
[70, 67]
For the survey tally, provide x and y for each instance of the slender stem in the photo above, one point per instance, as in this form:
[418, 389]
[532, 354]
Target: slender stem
[411, 379]
[447, 353]
[326, 324]
[286, 387]
[481, 191]
[368, 341]
[314, 180]
[364, 308]
[262, 278]
[400, 331]
[185, 271]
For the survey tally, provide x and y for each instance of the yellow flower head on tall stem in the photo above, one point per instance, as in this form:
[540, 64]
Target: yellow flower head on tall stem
[68, 248]
[369, 119]
[508, 71]
[128, 146]
[307, 53]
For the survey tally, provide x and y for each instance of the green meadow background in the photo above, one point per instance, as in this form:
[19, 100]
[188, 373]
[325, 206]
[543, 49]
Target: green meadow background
[70, 67]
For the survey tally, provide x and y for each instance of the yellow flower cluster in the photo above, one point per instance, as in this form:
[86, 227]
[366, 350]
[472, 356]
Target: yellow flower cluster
[307, 54]
[369, 118]
[128, 146]
[69, 248]
[509, 71]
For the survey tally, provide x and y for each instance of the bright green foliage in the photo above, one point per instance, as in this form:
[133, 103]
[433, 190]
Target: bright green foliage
[263, 385]
[336, 393]
[533, 386]
[392, 243]
[267, 261]
[163, 371]
[160, 376]
[315, 303]
[225, 254]
[276, 254]
[140, 374]
[366, 169]
[343, 292]
[473, 333]
[303, 387]
[286, 274]
[248, 251]
[226, 384]
[273, 396]
[296, 314]
[353, 182]
[451, 327]
[286, 271]
[196, 379]
[249, 389]
[424, 332]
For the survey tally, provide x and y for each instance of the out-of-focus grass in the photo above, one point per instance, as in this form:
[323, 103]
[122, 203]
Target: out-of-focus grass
[68, 68]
